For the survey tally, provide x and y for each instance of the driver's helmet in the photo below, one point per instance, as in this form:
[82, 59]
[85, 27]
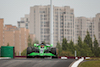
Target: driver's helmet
[42, 43]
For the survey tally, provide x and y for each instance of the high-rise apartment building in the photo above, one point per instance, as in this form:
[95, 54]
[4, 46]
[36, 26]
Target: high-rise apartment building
[63, 23]
[82, 25]
[24, 22]
[1, 31]
[16, 37]
[97, 27]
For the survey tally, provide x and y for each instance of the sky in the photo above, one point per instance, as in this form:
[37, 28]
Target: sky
[13, 10]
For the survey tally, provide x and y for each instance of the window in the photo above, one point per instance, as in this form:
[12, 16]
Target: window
[26, 24]
[61, 26]
[62, 23]
[61, 16]
[65, 19]
[44, 22]
[44, 15]
[43, 11]
[26, 19]
[56, 25]
[41, 15]
[41, 22]
[41, 32]
[56, 22]
[34, 11]
[40, 11]
[56, 12]
[45, 18]
[62, 36]
[71, 13]
[41, 25]
[62, 19]
[19, 25]
[56, 19]
[64, 12]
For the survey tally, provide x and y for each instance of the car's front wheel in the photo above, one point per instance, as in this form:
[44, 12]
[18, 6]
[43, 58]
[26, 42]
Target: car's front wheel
[29, 50]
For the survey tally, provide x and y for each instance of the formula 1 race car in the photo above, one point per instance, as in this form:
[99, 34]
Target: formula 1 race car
[41, 50]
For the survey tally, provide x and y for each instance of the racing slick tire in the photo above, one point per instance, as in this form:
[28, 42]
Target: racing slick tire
[29, 50]
[54, 51]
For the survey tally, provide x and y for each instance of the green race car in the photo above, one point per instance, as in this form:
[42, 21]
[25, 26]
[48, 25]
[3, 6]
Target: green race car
[41, 50]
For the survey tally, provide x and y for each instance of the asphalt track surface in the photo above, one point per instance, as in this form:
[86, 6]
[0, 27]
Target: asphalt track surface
[36, 62]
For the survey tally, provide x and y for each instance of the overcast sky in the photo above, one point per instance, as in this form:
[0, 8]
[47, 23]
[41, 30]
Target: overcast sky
[13, 10]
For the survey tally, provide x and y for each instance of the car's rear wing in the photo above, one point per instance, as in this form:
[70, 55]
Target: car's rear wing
[47, 45]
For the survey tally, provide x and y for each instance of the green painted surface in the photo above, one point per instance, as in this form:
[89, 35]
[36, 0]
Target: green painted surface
[7, 51]
[41, 54]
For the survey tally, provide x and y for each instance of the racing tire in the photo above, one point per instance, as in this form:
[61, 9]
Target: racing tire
[29, 50]
[54, 51]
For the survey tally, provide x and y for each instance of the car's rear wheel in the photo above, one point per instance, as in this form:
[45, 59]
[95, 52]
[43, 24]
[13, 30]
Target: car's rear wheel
[54, 51]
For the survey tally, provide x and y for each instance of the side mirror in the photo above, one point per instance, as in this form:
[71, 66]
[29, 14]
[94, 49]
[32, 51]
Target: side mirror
[51, 45]
[34, 45]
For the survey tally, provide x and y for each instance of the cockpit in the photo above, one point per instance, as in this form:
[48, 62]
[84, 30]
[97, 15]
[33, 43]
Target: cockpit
[42, 45]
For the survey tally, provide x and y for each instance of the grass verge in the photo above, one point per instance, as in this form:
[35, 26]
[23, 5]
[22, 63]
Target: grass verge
[92, 63]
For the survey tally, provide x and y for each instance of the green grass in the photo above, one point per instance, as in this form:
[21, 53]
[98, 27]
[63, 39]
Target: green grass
[93, 63]
[95, 58]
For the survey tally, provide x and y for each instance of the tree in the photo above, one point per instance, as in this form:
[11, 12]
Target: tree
[71, 47]
[36, 42]
[78, 46]
[24, 52]
[58, 46]
[88, 40]
[96, 47]
[84, 50]
[7, 44]
[64, 44]
[29, 41]
[79, 42]
[66, 53]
